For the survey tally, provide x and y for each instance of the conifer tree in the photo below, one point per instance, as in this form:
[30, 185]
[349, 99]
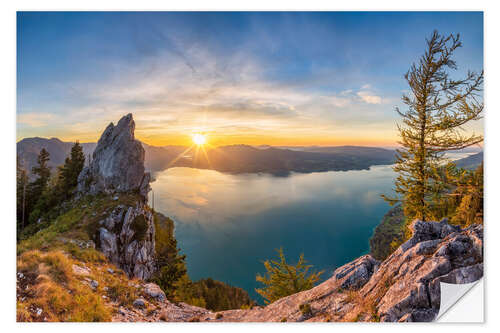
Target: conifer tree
[21, 193]
[68, 173]
[282, 279]
[42, 170]
[39, 185]
[437, 109]
[467, 196]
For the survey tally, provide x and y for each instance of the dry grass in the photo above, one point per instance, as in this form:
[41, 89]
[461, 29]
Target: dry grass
[365, 307]
[50, 287]
[49, 290]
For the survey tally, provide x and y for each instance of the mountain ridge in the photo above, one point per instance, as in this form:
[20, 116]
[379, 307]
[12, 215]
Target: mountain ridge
[238, 158]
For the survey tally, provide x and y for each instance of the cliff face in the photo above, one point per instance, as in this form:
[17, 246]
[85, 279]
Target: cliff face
[126, 234]
[127, 238]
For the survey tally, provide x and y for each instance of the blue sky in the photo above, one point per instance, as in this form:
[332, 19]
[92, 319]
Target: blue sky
[277, 78]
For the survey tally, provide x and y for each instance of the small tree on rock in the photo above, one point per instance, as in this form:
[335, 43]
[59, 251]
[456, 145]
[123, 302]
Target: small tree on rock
[282, 279]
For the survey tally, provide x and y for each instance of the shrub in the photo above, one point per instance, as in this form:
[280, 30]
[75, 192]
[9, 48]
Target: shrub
[305, 309]
[140, 227]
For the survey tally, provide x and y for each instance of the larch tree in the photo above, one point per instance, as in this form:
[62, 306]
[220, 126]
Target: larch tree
[438, 106]
[283, 279]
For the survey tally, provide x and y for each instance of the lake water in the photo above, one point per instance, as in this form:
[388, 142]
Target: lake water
[227, 225]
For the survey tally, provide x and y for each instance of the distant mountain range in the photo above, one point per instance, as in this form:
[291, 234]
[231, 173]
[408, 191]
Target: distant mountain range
[471, 161]
[29, 148]
[279, 161]
[231, 159]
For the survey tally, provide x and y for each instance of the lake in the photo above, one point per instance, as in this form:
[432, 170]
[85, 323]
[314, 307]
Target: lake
[227, 225]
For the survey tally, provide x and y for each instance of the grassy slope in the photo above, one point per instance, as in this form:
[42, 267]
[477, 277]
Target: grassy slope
[47, 282]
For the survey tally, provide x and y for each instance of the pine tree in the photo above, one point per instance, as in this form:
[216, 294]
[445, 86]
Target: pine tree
[282, 279]
[38, 186]
[68, 173]
[42, 171]
[21, 194]
[437, 109]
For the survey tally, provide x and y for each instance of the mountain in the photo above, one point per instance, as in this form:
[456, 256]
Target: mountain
[471, 161]
[29, 148]
[281, 161]
[232, 159]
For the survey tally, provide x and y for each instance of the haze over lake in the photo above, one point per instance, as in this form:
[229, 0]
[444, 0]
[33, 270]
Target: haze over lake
[228, 224]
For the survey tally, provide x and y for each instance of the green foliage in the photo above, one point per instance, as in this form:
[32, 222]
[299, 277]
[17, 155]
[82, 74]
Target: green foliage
[68, 173]
[282, 279]
[140, 227]
[171, 264]
[219, 296]
[38, 186]
[305, 309]
[42, 170]
[21, 193]
[438, 107]
[469, 191]
[211, 294]
[463, 203]
[48, 190]
[184, 291]
[389, 234]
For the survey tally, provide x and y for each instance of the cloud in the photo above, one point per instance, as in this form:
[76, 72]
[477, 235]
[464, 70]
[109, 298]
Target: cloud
[369, 97]
[222, 96]
[35, 119]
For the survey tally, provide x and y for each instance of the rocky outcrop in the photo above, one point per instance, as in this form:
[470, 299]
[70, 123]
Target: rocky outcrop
[127, 237]
[355, 274]
[126, 234]
[437, 252]
[117, 162]
[404, 287]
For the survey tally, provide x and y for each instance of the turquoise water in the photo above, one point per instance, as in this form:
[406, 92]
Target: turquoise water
[228, 224]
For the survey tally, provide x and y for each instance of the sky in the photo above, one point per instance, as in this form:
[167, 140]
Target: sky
[277, 78]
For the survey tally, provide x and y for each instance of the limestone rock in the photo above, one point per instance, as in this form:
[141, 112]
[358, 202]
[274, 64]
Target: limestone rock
[117, 162]
[408, 280]
[356, 273]
[79, 270]
[127, 238]
[139, 303]
[154, 291]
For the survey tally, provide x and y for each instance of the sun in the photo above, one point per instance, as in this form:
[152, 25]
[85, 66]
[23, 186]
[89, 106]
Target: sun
[199, 139]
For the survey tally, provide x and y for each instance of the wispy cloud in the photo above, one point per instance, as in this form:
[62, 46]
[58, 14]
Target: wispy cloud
[369, 97]
[35, 119]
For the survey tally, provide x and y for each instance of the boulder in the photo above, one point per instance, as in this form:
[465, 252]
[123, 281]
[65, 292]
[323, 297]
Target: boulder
[154, 291]
[139, 303]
